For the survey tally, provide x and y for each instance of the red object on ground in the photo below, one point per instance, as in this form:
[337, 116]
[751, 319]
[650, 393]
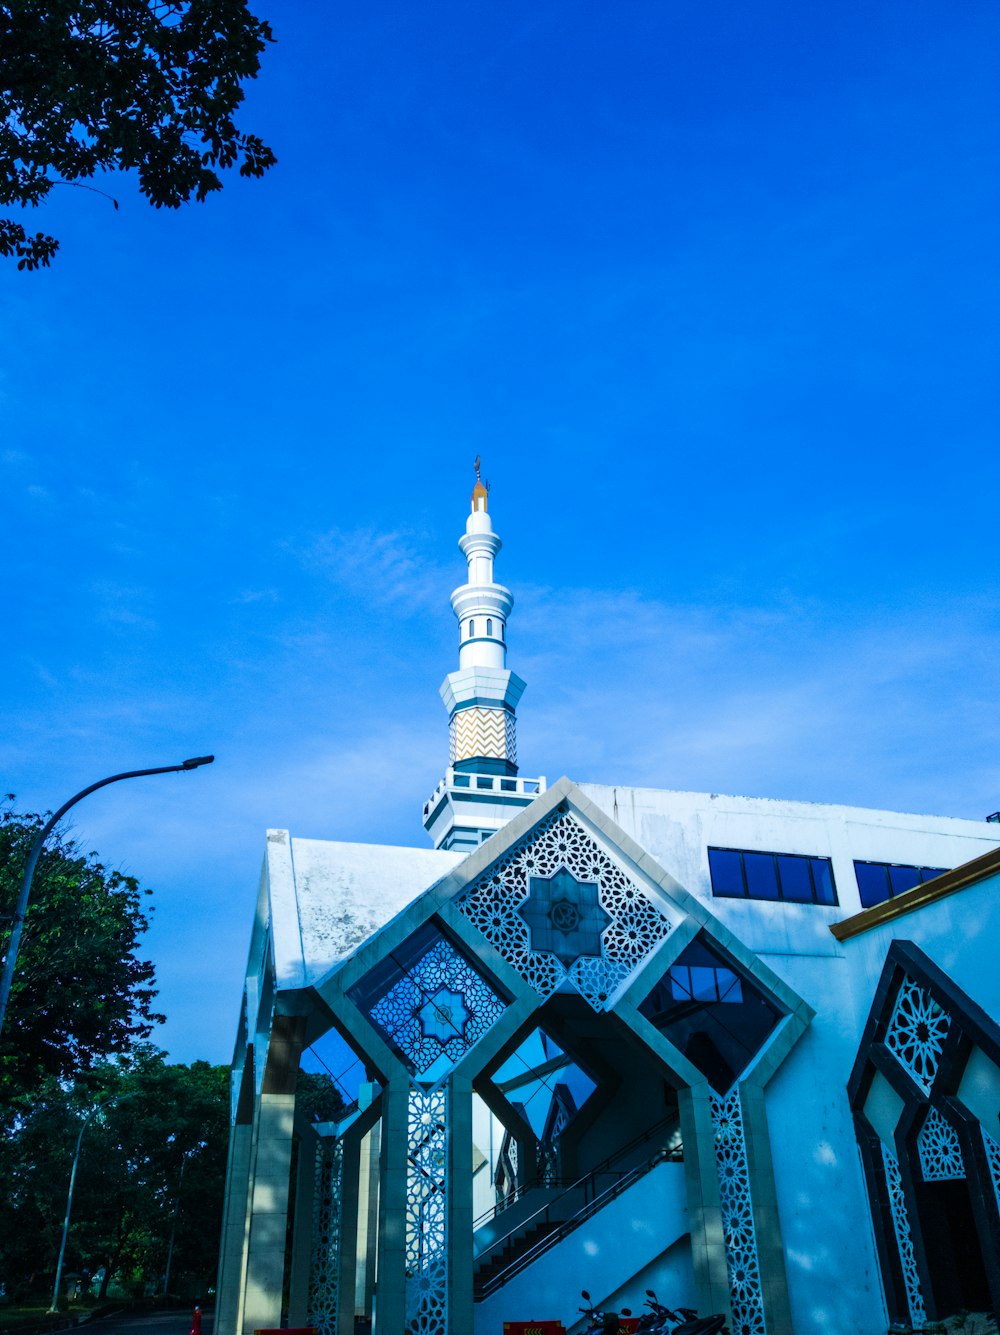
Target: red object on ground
[533, 1328]
[627, 1325]
[196, 1322]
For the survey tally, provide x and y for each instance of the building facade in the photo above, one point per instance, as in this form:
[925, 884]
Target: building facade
[743, 1052]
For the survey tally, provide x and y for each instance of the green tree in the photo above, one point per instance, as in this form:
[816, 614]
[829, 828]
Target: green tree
[80, 992]
[89, 86]
[149, 1183]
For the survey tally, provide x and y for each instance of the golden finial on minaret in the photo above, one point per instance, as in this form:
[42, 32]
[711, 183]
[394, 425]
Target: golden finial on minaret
[480, 492]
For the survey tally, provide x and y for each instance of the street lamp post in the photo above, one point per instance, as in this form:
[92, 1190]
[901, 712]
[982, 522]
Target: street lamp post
[34, 853]
[69, 1200]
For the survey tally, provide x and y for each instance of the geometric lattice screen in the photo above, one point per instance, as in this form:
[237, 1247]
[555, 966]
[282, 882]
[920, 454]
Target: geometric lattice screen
[939, 1151]
[918, 1027]
[430, 1003]
[427, 1213]
[557, 907]
[739, 1230]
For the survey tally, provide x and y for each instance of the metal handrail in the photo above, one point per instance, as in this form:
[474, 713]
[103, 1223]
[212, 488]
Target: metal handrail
[625, 1180]
[603, 1166]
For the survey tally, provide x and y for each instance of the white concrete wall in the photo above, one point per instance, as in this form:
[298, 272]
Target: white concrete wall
[678, 828]
[834, 1281]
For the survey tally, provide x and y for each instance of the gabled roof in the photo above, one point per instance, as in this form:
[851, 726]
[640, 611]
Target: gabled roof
[326, 898]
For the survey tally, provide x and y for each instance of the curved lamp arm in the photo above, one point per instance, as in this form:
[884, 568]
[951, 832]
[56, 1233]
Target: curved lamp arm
[35, 852]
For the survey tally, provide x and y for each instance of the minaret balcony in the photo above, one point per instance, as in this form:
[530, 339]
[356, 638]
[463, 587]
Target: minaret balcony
[466, 808]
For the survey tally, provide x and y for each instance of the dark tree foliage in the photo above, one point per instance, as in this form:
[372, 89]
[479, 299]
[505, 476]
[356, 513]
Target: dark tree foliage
[80, 993]
[89, 86]
[150, 1180]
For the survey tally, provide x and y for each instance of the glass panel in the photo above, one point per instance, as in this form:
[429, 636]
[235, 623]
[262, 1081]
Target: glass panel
[796, 884]
[928, 873]
[680, 983]
[873, 883]
[729, 984]
[903, 878]
[762, 882]
[726, 870]
[461, 780]
[826, 891]
[544, 1084]
[703, 983]
[719, 1036]
[330, 1078]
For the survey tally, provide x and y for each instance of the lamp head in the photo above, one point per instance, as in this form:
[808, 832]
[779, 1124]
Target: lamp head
[195, 761]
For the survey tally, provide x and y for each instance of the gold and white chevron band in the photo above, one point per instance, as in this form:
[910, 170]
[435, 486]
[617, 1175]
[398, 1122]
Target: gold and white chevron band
[490, 733]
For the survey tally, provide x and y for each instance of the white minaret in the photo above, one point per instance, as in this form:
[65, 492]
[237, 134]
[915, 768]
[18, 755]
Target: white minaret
[480, 791]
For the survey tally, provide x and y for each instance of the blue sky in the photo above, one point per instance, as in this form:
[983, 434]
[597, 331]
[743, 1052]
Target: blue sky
[712, 288]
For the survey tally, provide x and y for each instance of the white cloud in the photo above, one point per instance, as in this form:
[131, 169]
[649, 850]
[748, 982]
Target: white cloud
[384, 568]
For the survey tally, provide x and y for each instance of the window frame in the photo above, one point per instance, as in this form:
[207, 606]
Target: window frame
[779, 898]
[887, 868]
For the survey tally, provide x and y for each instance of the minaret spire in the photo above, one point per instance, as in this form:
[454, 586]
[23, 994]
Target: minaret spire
[481, 699]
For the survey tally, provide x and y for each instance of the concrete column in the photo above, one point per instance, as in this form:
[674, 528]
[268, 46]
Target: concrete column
[461, 1319]
[232, 1252]
[368, 1203]
[348, 1264]
[265, 1266]
[390, 1288]
[708, 1244]
[764, 1200]
[302, 1229]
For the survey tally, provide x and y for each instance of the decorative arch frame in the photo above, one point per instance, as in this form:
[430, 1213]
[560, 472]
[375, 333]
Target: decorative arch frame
[914, 1126]
[649, 920]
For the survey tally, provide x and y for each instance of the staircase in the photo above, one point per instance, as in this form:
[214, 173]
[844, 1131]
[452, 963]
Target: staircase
[505, 1257]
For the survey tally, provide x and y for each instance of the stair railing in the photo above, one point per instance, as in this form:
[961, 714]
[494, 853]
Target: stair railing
[594, 1199]
[671, 1119]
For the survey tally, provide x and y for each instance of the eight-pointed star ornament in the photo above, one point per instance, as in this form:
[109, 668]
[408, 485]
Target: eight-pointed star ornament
[564, 916]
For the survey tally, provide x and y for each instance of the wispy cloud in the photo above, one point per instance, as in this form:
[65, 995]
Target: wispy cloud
[248, 596]
[784, 702]
[389, 569]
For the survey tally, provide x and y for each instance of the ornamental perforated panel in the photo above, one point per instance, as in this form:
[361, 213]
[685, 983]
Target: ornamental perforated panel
[939, 1150]
[517, 882]
[737, 1215]
[440, 1006]
[993, 1159]
[904, 1242]
[324, 1271]
[426, 1213]
[917, 1030]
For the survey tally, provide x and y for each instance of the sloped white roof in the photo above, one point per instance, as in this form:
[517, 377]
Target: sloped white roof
[326, 898]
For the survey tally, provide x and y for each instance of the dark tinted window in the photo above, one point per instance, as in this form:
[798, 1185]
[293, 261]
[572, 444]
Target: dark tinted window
[822, 870]
[903, 878]
[796, 882]
[792, 877]
[879, 881]
[726, 869]
[711, 1012]
[762, 875]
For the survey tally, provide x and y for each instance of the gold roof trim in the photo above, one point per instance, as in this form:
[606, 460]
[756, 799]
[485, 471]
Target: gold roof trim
[988, 864]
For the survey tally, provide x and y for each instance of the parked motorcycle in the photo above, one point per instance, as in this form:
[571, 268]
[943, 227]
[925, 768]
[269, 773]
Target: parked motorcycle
[659, 1320]
[601, 1323]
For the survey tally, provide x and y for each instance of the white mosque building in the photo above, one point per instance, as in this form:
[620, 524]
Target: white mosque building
[741, 1051]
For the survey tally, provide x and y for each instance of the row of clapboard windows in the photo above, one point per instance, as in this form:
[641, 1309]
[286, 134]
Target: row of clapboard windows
[795, 878]
[470, 628]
